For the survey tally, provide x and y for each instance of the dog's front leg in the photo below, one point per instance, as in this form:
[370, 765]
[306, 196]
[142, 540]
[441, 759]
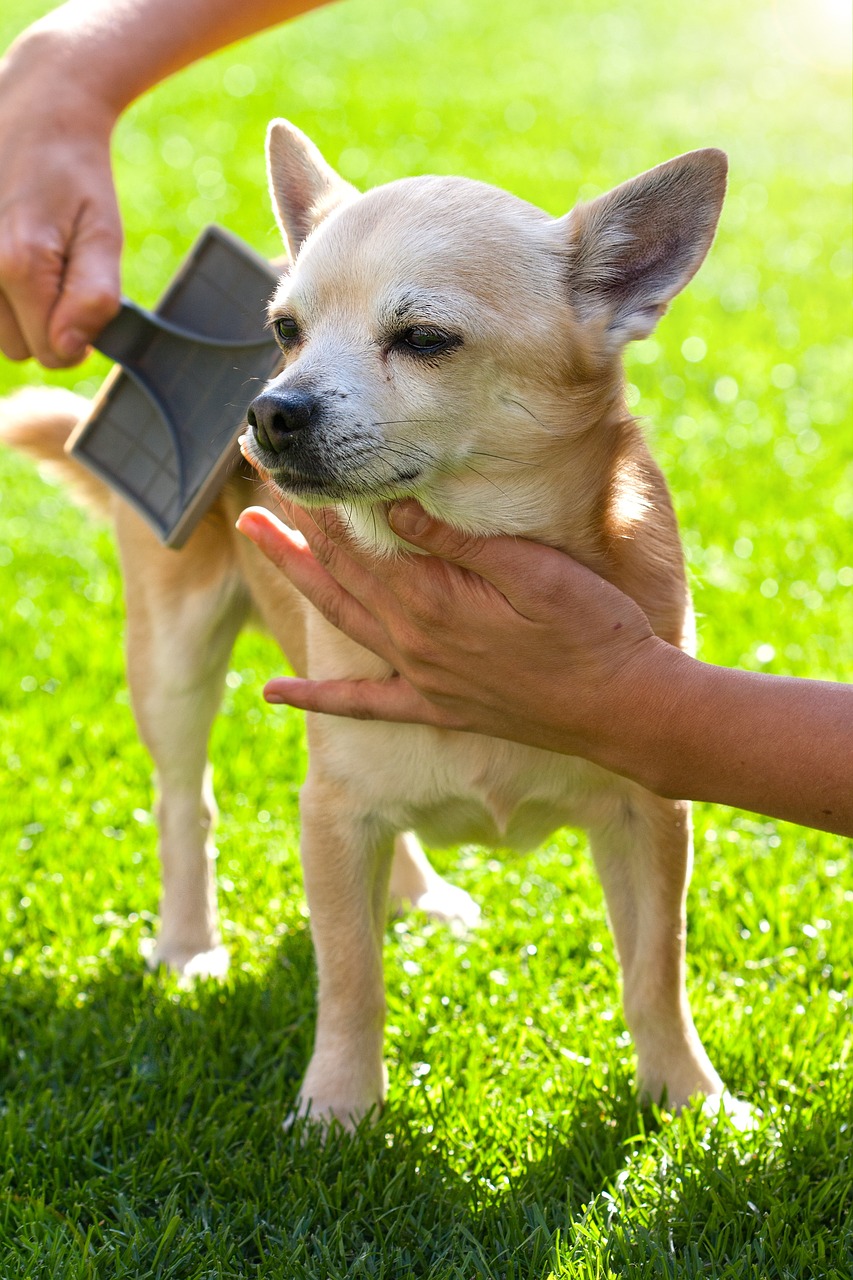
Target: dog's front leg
[346, 863]
[643, 855]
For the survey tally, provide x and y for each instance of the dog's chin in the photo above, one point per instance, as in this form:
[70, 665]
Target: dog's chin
[320, 490]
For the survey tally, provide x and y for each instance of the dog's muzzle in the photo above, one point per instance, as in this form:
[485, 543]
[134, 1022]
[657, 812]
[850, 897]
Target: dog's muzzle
[278, 417]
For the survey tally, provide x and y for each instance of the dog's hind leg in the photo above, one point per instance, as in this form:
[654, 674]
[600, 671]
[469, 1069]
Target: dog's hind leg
[184, 611]
[414, 880]
[643, 855]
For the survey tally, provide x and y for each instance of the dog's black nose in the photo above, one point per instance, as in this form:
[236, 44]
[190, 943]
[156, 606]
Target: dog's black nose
[277, 416]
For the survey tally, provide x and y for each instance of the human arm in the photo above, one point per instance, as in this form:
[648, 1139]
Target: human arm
[516, 640]
[63, 84]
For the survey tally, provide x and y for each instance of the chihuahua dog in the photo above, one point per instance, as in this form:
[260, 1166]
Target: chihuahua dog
[436, 334]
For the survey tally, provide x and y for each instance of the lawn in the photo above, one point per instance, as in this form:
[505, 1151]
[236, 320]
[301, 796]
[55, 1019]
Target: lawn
[140, 1121]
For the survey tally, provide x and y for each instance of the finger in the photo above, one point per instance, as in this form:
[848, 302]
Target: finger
[526, 573]
[30, 278]
[377, 582]
[392, 699]
[91, 289]
[288, 551]
[319, 524]
[12, 342]
[270, 534]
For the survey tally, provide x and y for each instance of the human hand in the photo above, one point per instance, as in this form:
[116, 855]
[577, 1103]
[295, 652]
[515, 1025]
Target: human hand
[488, 635]
[60, 231]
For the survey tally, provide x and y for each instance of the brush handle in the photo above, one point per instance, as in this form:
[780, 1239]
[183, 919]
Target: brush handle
[127, 335]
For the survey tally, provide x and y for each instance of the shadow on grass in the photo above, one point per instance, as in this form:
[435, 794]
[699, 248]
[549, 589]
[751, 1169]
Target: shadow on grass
[131, 1104]
[141, 1129]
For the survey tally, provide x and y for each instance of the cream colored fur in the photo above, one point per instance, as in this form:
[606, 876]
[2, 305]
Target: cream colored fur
[519, 425]
[184, 611]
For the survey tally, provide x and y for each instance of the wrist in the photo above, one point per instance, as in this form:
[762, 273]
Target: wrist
[53, 65]
[649, 701]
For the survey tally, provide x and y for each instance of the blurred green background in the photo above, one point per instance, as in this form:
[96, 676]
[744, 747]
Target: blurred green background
[555, 104]
[140, 1121]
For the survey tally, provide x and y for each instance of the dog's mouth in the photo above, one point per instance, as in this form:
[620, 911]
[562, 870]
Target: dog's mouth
[336, 489]
[320, 484]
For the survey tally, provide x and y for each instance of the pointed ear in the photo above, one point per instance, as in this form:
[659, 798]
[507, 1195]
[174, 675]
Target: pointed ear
[632, 250]
[303, 187]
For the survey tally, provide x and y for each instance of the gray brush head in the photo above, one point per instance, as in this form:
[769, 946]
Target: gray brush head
[163, 429]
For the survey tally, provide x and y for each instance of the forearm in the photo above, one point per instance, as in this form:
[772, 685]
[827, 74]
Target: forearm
[518, 641]
[63, 85]
[116, 49]
[770, 744]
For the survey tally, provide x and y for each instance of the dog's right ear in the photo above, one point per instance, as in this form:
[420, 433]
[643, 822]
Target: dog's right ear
[303, 186]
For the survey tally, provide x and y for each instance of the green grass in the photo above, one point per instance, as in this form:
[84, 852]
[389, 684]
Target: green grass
[140, 1122]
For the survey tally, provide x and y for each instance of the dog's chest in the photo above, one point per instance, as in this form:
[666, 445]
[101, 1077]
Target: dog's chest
[490, 819]
[449, 787]
[454, 788]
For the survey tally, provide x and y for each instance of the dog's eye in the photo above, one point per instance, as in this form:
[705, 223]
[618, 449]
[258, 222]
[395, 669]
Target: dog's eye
[286, 330]
[427, 342]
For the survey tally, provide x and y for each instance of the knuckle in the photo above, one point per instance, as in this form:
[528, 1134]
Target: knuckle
[360, 707]
[330, 607]
[323, 549]
[423, 610]
[430, 686]
[463, 546]
[22, 257]
[412, 644]
[550, 586]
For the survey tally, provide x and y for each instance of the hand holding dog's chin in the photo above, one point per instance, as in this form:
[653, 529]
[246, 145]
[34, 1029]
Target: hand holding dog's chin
[496, 636]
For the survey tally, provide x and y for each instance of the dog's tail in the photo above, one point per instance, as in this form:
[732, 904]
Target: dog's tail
[38, 421]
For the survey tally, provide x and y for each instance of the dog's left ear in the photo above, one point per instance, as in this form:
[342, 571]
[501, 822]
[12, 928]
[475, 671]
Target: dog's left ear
[303, 186]
[632, 250]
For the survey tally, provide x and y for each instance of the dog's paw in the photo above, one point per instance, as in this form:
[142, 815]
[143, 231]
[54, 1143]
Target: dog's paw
[448, 903]
[741, 1115]
[184, 961]
[332, 1099]
[329, 1116]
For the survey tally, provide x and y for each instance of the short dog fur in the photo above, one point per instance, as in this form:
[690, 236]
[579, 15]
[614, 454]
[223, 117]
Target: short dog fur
[446, 341]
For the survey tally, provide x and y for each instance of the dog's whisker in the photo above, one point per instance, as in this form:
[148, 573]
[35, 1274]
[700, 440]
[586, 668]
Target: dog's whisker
[405, 422]
[348, 517]
[488, 480]
[403, 447]
[499, 457]
[529, 412]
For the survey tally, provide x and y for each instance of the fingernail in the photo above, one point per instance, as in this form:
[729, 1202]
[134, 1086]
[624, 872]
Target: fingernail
[408, 519]
[71, 343]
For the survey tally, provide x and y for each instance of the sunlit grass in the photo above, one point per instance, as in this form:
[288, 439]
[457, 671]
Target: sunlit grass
[139, 1121]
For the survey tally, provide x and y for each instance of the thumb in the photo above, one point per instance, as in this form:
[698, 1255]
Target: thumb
[508, 563]
[410, 522]
[531, 576]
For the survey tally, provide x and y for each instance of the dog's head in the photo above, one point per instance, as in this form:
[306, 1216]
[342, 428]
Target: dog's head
[441, 336]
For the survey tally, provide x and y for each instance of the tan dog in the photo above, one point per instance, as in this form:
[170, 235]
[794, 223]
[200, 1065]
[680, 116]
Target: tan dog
[442, 340]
